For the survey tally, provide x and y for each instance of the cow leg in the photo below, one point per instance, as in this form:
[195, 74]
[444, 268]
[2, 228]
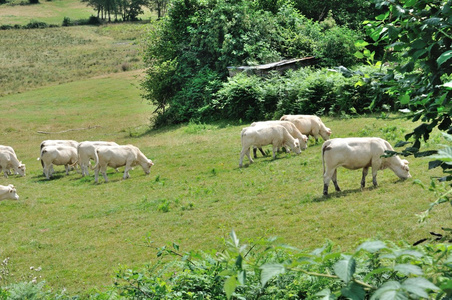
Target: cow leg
[46, 171]
[327, 176]
[96, 175]
[363, 180]
[334, 178]
[374, 176]
[242, 154]
[275, 150]
[104, 172]
[67, 169]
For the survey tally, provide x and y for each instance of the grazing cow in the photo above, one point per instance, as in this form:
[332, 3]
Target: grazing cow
[260, 136]
[86, 151]
[118, 156]
[9, 149]
[289, 126]
[58, 155]
[8, 192]
[8, 160]
[71, 143]
[357, 153]
[309, 125]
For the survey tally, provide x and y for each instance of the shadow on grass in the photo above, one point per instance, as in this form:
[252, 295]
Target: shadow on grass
[341, 194]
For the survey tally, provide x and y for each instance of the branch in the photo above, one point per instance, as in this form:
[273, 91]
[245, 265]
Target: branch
[74, 129]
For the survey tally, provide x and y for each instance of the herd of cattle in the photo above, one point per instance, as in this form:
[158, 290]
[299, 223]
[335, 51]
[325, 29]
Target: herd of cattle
[70, 153]
[291, 131]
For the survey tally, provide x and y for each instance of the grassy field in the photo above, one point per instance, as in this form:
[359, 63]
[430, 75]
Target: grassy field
[79, 232]
[72, 85]
[35, 58]
[50, 12]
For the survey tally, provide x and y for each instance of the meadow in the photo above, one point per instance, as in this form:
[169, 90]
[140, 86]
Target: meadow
[50, 12]
[78, 233]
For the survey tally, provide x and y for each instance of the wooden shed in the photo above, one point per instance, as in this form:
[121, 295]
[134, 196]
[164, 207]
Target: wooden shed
[280, 66]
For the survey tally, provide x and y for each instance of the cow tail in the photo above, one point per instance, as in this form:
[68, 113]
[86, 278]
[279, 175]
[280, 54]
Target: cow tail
[96, 159]
[325, 147]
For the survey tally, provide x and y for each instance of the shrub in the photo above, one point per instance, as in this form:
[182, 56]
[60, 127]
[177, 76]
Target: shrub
[66, 21]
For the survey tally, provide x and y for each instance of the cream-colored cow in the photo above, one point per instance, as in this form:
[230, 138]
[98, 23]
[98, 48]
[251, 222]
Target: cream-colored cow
[58, 155]
[119, 156]
[359, 153]
[8, 192]
[309, 125]
[87, 150]
[259, 136]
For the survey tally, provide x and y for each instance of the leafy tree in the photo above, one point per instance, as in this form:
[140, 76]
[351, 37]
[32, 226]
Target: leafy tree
[417, 38]
[200, 38]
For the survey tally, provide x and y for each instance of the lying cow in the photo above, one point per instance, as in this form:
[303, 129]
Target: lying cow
[289, 126]
[259, 136]
[86, 151]
[309, 125]
[8, 161]
[8, 192]
[119, 156]
[58, 155]
[357, 153]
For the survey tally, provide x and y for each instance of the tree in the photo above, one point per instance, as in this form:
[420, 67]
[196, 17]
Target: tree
[158, 5]
[417, 38]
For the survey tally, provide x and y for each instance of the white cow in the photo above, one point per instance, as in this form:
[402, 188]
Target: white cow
[8, 192]
[45, 143]
[8, 160]
[289, 126]
[87, 150]
[118, 156]
[58, 155]
[10, 149]
[357, 153]
[309, 125]
[260, 136]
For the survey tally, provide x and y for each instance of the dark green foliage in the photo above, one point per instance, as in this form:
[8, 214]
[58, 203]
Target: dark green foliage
[307, 91]
[213, 35]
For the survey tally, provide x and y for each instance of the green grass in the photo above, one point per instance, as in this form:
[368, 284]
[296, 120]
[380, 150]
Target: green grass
[35, 58]
[70, 80]
[79, 232]
[50, 12]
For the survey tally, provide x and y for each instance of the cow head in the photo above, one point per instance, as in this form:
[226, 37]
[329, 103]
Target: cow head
[147, 166]
[296, 146]
[21, 169]
[325, 133]
[303, 142]
[11, 193]
[402, 170]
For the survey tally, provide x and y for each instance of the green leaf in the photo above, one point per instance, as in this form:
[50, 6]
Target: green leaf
[269, 271]
[358, 54]
[234, 238]
[408, 269]
[345, 268]
[444, 57]
[390, 290]
[229, 286]
[361, 44]
[418, 286]
[326, 294]
[353, 291]
[404, 99]
[372, 246]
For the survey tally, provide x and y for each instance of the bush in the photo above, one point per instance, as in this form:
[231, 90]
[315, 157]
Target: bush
[66, 21]
[36, 24]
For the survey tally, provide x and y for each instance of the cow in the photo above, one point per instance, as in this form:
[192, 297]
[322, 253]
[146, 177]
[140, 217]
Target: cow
[289, 126]
[44, 143]
[8, 161]
[8, 192]
[309, 125]
[86, 151]
[118, 156]
[10, 149]
[58, 155]
[357, 153]
[260, 136]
